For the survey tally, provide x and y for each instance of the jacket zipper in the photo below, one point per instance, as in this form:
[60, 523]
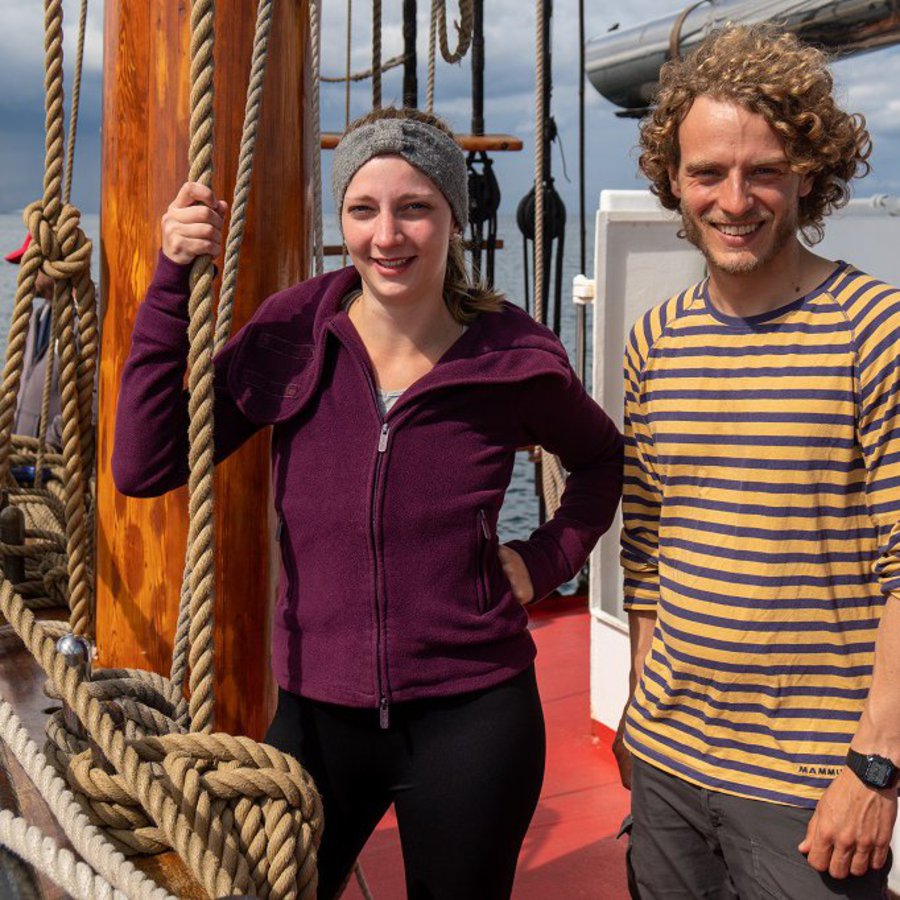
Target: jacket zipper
[384, 713]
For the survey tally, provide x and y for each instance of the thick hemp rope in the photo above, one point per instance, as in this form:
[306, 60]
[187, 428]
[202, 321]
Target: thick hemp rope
[244, 172]
[553, 478]
[315, 36]
[201, 531]
[465, 29]
[87, 840]
[229, 277]
[60, 248]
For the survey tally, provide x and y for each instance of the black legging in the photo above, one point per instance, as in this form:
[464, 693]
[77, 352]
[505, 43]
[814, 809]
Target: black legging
[464, 773]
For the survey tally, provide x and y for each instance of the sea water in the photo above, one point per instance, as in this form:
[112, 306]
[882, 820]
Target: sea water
[520, 510]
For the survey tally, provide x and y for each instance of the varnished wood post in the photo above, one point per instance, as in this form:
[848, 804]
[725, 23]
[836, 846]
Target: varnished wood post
[140, 543]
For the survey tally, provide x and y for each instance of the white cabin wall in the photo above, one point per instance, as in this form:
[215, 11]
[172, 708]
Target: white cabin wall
[639, 262]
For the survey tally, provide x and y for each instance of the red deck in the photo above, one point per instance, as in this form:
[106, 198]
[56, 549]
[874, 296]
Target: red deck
[570, 851]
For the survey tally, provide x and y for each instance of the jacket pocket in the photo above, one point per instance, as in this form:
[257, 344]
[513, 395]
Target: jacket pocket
[484, 544]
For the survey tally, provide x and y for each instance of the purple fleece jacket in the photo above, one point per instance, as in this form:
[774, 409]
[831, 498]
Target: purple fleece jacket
[391, 587]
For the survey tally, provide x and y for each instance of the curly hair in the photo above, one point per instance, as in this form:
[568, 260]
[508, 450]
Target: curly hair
[464, 296]
[771, 73]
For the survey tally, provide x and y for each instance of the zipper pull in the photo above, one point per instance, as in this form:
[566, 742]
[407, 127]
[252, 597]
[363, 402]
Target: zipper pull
[384, 714]
[485, 529]
[279, 530]
[383, 438]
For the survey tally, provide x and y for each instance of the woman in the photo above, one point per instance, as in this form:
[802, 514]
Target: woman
[399, 393]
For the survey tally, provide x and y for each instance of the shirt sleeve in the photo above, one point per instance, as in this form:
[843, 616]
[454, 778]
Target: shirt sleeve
[150, 450]
[641, 496]
[875, 319]
[562, 418]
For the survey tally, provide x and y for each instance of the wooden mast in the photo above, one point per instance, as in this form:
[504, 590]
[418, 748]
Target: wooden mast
[140, 543]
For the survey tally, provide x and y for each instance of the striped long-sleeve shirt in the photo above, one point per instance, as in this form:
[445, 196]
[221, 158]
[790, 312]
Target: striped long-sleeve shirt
[762, 491]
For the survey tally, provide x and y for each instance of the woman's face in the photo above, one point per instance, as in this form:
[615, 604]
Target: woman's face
[397, 226]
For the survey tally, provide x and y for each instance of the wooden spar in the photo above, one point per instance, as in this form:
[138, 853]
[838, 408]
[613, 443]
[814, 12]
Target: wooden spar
[140, 543]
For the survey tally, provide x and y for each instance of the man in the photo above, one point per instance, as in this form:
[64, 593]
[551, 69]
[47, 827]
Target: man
[34, 368]
[762, 495]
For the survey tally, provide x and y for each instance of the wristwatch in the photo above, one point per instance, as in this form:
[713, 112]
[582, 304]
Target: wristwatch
[875, 771]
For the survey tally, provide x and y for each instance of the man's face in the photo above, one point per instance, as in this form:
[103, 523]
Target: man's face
[739, 197]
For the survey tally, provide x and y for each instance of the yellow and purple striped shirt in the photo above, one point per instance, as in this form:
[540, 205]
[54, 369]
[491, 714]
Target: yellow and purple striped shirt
[762, 484]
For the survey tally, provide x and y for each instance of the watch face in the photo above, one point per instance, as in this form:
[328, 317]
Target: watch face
[879, 772]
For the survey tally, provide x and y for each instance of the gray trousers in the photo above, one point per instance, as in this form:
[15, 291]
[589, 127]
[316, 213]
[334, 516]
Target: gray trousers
[695, 844]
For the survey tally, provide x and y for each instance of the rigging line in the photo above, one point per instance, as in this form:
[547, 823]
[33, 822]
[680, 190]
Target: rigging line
[463, 30]
[540, 88]
[201, 500]
[315, 19]
[581, 310]
[410, 81]
[347, 82]
[76, 97]
[376, 54]
[363, 74]
[244, 174]
[347, 78]
[432, 54]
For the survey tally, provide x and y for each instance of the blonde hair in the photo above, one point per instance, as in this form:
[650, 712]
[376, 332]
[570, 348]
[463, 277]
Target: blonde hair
[773, 74]
[465, 297]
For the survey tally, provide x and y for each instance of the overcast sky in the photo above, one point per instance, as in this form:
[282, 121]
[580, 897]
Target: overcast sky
[867, 83]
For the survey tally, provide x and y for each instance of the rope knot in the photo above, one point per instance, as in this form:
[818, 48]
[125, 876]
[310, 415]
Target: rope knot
[249, 803]
[65, 250]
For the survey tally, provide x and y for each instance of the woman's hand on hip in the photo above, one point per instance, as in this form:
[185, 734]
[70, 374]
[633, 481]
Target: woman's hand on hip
[516, 572]
[192, 225]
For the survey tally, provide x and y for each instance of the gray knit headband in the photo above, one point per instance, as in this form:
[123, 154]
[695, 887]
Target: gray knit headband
[427, 148]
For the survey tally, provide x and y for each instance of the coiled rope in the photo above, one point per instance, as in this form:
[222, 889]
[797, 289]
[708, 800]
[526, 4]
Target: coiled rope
[438, 30]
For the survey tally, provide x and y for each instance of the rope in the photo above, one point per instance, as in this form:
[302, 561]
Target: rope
[114, 870]
[347, 78]
[432, 56]
[240, 814]
[315, 19]
[553, 478]
[363, 74]
[376, 54]
[76, 98]
[464, 31]
[201, 536]
[244, 172]
[539, 89]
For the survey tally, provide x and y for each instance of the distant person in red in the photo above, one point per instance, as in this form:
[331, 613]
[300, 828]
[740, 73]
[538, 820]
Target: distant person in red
[34, 371]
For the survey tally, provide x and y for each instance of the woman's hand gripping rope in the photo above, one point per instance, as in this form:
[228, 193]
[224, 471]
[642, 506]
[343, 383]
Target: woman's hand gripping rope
[192, 225]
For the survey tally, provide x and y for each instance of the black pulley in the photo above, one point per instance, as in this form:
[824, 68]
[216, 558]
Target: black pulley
[554, 214]
[484, 204]
[552, 252]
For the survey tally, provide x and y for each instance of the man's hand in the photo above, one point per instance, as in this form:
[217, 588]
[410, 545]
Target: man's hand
[621, 752]
[192, 225]
[850, 831]
[516, 573]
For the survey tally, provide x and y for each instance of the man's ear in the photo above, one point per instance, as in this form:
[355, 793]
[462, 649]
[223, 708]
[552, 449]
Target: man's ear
[673, 180]
[806, 184]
